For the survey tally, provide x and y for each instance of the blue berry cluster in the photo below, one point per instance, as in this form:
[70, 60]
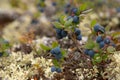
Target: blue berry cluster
[89, 52]
[56, 52]
[78, 34]
[102, 42]
[53, 69]
[75, 19]
[61, 33]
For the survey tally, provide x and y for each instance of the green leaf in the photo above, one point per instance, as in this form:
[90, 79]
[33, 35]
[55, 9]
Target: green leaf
[90, 44]
[97, 58]
[56, 63]
[107, 28]
[63, 52]
[55, 44]
[93, 23]
[45, 47]
[57, 25]
[83, 7]
[111, 49]
[68, 22]
[62, 21]
[104, 57]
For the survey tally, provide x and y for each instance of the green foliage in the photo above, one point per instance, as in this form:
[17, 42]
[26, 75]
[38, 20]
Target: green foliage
[62, 21]
[97, 58]
[58, 25]
[83, 7]
[55, 44]
[68, 23]
[90, 44]
[93, 23]
[56, 63]
[45, 47]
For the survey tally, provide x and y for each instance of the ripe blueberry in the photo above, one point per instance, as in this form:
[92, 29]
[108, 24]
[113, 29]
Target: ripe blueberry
[53, 69]
[86, 51]
[101, 44]
[1, 53]
[54, 3]
[106, 40]
[99, 39]
[58, 70]
[98, 28]
[77, 31]
[56, 51]
[79, 37]
[91, 53]
[74, 10]
[58, 56]
[75, 19]
[67, 5]
[63, 33]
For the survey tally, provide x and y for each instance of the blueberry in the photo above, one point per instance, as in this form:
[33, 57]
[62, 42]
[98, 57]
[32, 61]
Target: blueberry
[75, 19]
[67, 5]
[54, 3]
[58, 70]
[98, 28]
[106, 40]
[34, 21]
[77, 31]
[53, 69]
[41, 9]
[91, 53]
[74, 10]
[52, 51]
[86, 51]
[66, 11]
[58, 56]
[79, 37]
[1, 54]
[99, 39]
[58, 31]
[56, 51]
[101, 44]
[59, 36]
[64, 33]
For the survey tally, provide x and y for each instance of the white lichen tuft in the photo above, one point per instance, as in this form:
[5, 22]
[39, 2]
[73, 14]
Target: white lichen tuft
[15, 66]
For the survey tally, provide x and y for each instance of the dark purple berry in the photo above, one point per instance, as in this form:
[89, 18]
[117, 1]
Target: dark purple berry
[99, 39]
[63, 33]
[79, 37]
[106, 40]
[75, 19]
[77, 31]
[74, 10]
[67, 5]
[91, 53]
[1, 54]
[58, 56]
[54, 3]
[56, 51]
[101, 44]
[58, 70]
[98, 28]
[53, 69]
[86, 51]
